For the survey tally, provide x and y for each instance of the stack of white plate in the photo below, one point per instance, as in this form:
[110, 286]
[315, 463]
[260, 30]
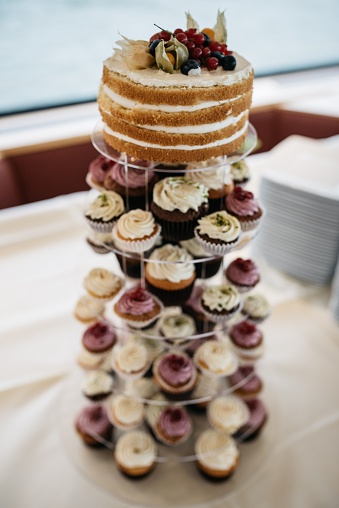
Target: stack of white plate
[300, 192]
[334, 301]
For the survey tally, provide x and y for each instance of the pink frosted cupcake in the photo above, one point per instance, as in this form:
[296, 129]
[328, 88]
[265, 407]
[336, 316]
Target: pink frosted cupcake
[243, 205]
[175, 374]
[243, 273]
[97, 172]
[138, 307]
[246, 383]
[93, 426]
[256, 421]
[247, 341]
[174, 426]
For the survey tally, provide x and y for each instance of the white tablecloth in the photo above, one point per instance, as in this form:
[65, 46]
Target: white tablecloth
[44, 259]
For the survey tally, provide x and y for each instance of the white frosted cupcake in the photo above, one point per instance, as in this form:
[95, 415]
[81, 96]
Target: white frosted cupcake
[217, 454]
[103, 284]
[240, 173]
[256, 307]
[97, 385]
[215, 359]
[130, 360]
[88, 360]
[143, 388]
[227, 413]
[136, 231]
[218, 233]
[135, 453]
[126, 413]
[220, 303]
[153, 410]
[101, 243]
[104, 211]
[88, 309]
[205, 389]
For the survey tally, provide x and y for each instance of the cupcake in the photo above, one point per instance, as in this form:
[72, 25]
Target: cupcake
[133, 184]
[218, 233]
[177, 205]
[240, 173]
[101, 243]
[247, 341]
[256, 308]
[142, 389]
[205, 389]
[175, 374]
[220, 303]
[136, 231]
[135, 453]
[130, 360]
[93, 425]
[215, 359]
[154, 408]
[243, 273]
[126, 413]
[97, 385]
[243, 205]
[97, 172]
[169, 274]
[97, 343]
[245, 382]
[227, 413]
[214, 174]
[175, 326]
[174, 426]
[217, 454]
[138, 307]
[256, 421]
[102, 284]
[193, 308]
[104, 211]
[88, 309]
[211, 264]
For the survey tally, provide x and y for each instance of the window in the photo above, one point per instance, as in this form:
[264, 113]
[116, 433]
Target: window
[51, 53]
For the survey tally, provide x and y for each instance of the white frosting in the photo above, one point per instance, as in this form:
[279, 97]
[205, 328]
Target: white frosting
[216, 357]
[220, 226]
[153, 411]
[240, 170]
[126, 411]
[228, 413]
[178, 267]
[88, 308]
[88, 360]
[144, 388]
[206, 387]
[106, 206]
[102, 283]
[221, 298]
[131, 357]
[218, 142]
[166, 108]
[177, 326]
[136, 224]
[256, 306]
[213, 178]
[152, 77]
[97, 382]
[135, 449]
[179, 193]
[216, 451]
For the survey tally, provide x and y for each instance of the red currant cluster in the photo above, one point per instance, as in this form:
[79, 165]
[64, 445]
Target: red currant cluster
[201, 46]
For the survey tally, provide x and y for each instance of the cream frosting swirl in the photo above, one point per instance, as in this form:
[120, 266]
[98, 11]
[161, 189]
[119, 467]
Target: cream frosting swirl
[88, 308]
[153, 411]
[179, 193]
[217, 357]
[256, 306]
[136, 224]
[135, 449]
[221, 298]
[97, 382]
[216, 450]
[178, 267]
[175, 324]
[101, 282]
[131, 357]
[220, 226]
[240, 171]
[106, 206]
[212, 178]
[228, 413]
[126, 411]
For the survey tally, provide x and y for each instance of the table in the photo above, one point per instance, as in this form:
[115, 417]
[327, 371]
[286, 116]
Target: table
[43, 261]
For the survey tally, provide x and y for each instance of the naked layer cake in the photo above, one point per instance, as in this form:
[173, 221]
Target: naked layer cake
[181, 96]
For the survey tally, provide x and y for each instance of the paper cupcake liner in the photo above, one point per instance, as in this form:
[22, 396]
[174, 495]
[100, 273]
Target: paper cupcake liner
[98, 249]
[218, 249]
[177, 231]
[251, 354]
[221, 318]
[101, 227]
[94, 185]
[241, 288]
[137, 246]
[249, 225]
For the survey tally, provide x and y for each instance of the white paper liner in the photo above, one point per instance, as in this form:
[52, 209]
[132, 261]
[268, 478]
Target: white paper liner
[249, 225]
[137, 246]
[241, 289]
[101, 227]
[93, 184]
[250, 354]
[217, 249]
[98, 249]
[221, 318]
[144, 323]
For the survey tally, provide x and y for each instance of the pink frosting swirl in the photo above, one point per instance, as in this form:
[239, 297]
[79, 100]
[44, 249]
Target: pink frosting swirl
[257, 415]
[241, 202]
[246, 334]
[99, 168]
[136, 301]
[174, 421]
[243, 271]
[99, 337]
[134, 177]
[253, 384]
[175, 369]
[93, 420]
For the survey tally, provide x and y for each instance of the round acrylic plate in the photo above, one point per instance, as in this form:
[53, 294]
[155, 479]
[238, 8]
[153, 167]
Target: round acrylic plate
[107, 151]
[175, 465]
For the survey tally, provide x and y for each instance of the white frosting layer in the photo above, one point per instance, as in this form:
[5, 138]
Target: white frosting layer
[89, 308]
[221, 298]
[218, 142]
[216, 451]
[152, 77]
[97, 382]
[220, 226]
[177, 269]
[216, 358]
[102, 283]
[213, 178]
[131, 357]
[177, 326]
[178, 193]
[256, 306]
[136, 224]
[126, 411]
[135, 449]
[165, 108]
[106, 206]
[228, 414]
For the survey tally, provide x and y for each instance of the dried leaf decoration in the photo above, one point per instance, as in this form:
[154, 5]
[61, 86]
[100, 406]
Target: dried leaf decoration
[191, 23]
[135, 54]
[220, 28]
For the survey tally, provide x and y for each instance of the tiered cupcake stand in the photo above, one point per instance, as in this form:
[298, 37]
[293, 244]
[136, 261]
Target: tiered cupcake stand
[176, 479]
